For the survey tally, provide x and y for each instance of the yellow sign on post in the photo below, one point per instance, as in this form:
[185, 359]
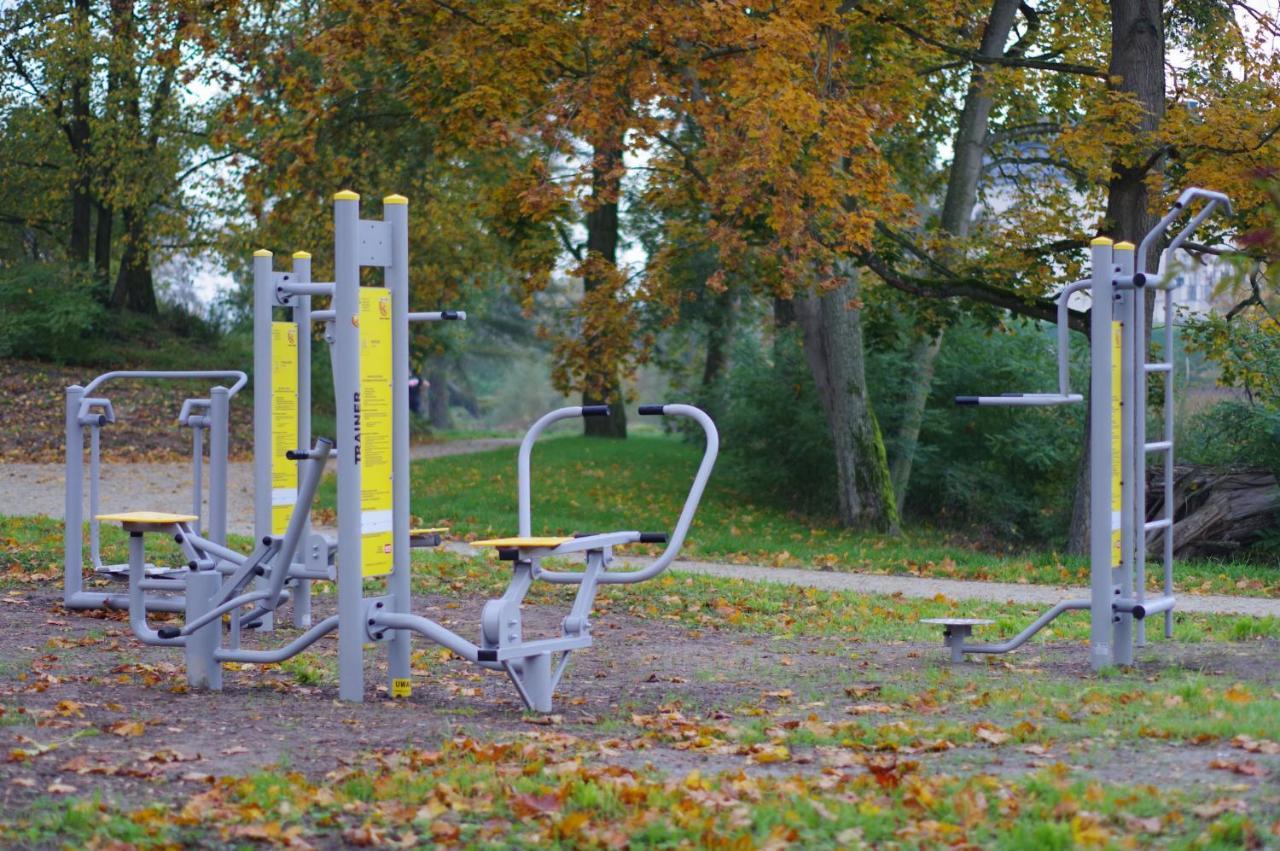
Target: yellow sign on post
[284, 422]
[1117, 460]
[374, 433]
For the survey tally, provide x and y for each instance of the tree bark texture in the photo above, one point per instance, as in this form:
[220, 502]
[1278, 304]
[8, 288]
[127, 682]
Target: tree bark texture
[833, 347]
[1216, 512]
[602, 243]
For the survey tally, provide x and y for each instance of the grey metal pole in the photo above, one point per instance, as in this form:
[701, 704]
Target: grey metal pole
[1126, 302]
[1100, 564]
[203, 669]
[1168, 459]
[263, 298]
[346, 380]
[197, 474]
[302, 316]
[73, 507]
[395, 212]
[219, 442]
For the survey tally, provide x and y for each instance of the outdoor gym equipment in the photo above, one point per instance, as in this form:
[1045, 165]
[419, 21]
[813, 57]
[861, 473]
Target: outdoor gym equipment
[368, 333]
[88, 411]
[1118, 443]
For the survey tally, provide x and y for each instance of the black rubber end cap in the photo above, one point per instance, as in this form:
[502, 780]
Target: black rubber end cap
[168, 632]
[595, 410]
[508, 553]
[266, 540]
[651, 410]
[484, 655]
[177, 539]
[1139, 612]
[1140, 280]
[294, 456]
[653, 537]
[102, 420]
[966, 400]
[448, 314]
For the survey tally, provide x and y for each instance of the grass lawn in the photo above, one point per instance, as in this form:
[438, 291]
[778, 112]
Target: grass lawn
[711, 713]
[640, 483]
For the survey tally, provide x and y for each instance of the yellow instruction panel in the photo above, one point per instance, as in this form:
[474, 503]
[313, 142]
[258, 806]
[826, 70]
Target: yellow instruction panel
[375, 431]
[284, 422]
[1117, 465]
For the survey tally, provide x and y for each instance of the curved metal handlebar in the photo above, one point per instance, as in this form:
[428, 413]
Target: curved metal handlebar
[669, 554]
[240, 378]
[525, 518]
[1179, 207]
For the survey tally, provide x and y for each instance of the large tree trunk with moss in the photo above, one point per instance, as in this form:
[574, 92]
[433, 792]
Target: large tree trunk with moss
[970, 148]
[1137, 67]
[833, 347]
[602, 243]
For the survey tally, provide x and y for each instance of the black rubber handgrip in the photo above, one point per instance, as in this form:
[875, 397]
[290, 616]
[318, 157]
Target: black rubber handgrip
[653, 537]
[102, 420]
[966, 400]
[168, 632]
[1139, 280]
[595, 410]
[651, 410]
[297, 455]
[448, 314]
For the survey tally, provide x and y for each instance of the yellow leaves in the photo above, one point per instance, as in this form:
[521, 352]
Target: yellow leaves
[1238, 694]
[1087, 831]
[127, 729]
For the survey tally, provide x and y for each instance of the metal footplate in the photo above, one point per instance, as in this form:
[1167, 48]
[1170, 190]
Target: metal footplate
[955, 631]
[150, 571]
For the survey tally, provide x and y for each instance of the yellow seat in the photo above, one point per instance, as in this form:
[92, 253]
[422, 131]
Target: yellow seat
[434, 530]
[527, 543]
[146, 518]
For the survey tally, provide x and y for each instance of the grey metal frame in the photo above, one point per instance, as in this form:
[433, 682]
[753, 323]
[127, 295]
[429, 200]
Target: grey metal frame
[86, 412]
[216, 582]
[1118, 604]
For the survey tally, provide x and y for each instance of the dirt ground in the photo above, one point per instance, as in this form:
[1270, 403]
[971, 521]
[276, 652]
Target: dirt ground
[87, 708]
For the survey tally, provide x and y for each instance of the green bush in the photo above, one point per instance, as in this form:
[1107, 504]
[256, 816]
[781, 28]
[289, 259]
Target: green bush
[46, 312]
[1233, 434]
[774, 435]
[1010, 471]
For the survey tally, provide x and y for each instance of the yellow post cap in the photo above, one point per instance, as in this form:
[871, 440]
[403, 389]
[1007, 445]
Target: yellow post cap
[302, 255]
[1124, 246]
[262, 252]
[1101, 240]
[346, 195]
[395, 199]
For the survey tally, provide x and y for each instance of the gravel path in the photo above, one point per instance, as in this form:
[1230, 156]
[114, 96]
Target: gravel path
[925, 588]
[29, 489]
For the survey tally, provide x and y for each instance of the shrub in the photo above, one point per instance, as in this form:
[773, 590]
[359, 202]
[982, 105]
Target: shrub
[46, 312]
[775, 441]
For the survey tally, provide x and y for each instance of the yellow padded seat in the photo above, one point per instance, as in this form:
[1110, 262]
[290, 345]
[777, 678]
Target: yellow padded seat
[147, 518]
[527, 543]
[434, 530]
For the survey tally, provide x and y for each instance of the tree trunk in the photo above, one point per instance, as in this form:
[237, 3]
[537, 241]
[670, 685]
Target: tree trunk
[438, 394]
[834, 350]
[78, 135]
[135, 289]
[924, 354]
[602, 245]
[1137, 67]
[970, 148]
[102, 248]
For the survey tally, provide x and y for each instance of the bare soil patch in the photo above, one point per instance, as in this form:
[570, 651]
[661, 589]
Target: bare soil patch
[88, 708]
